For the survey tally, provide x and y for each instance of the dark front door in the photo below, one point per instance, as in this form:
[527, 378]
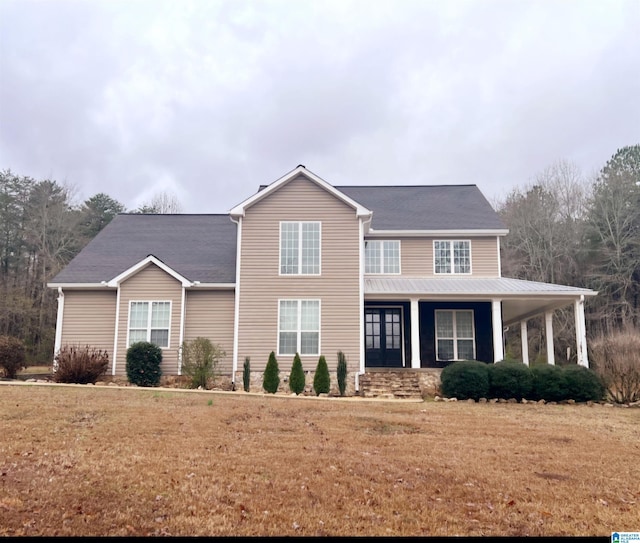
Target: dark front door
[383, 337]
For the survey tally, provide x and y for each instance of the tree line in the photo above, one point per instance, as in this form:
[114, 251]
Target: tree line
[564, 228]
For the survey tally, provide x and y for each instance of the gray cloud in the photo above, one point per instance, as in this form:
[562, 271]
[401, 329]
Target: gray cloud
[209, 99]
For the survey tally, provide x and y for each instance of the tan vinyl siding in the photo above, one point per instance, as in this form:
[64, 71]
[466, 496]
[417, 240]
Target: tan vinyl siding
[337, 287]
[210, 314]
[150, 284]
[417, 256]
[89, 318]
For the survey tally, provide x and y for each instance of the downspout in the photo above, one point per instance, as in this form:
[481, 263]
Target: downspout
[236, 317]
[361, 301]
[181, 340]
[58, 340]
[115, 333]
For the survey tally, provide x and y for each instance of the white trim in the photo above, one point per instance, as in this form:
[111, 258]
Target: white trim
[240, 209]
[452, 263]
[115, 333]
[361, 227]
[499, 258]
[581, 333]
[299, 326]
[183, 304]
[524, 342]
[212, 286]
[454, 338]
[144, 263]
[102, 284]
[236, 302]
[439, 233]
[149, 315]
[59, 322]
[415, 333]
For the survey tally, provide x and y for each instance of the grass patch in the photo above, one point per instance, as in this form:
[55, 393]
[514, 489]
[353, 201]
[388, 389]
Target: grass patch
[91, 461]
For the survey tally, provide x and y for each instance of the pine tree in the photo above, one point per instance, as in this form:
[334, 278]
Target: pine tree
[342, 372]
[271, 379]
[321, 380]
[296, 378]
[246, 374]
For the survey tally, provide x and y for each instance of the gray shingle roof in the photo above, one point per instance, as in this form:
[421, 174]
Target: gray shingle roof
[426, 207]
[198, 247]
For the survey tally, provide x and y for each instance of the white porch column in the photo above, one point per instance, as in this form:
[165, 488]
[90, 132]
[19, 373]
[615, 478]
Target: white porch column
[496, 323]
[548, 332]
[415, 333]
[524, 340]
[581, 333]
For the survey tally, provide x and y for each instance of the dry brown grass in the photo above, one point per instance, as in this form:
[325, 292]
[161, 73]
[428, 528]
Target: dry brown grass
[92, 461]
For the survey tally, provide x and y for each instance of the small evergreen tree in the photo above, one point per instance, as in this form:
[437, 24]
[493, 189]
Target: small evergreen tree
[143, 364]
[296, 377]
[246, 374]
[271, 378]
[342, 372]
[321, 379]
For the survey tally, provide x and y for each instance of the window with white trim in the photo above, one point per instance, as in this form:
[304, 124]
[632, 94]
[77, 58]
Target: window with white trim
[299, 248]
[299, 327]
[455, 336]
[149, 321]
[452, 256]
[382, 256]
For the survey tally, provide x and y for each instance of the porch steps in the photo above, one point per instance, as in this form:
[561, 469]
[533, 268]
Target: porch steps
[401, 384]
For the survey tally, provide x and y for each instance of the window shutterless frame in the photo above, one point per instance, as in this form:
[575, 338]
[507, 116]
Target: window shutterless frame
[149, 320]
[299, 327]
[300, 248]
[452, 257]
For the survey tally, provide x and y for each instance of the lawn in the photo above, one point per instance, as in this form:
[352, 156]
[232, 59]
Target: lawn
[106, 461]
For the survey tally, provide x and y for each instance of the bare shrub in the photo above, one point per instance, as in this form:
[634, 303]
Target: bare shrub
[616, 358]
[74, 364]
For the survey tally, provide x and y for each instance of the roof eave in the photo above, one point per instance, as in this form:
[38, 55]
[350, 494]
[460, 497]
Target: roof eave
[476, 232]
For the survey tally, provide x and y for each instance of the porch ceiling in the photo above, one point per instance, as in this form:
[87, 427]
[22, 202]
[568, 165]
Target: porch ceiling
[520, 299]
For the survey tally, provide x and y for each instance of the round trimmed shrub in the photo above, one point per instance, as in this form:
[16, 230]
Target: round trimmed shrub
[143, 364]
[582, 384]
[547, 383]
[509, 379]
[321, 379]
[466, 379]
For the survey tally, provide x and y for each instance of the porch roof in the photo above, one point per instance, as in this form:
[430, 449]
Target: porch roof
[520, 299]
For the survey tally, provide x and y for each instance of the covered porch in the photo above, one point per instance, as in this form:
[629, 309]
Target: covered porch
[430, 322]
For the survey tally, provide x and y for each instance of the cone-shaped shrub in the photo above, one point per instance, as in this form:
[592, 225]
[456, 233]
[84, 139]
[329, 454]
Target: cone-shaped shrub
[509, 379]
[143, 364]
[246, 374]
[296, 377]
[466, 379]
[271, 378]
[342, 373]
[321, 379]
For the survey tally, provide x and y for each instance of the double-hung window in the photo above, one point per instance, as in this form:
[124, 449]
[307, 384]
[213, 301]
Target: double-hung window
[299, 327]
[382, 256]
[455, 339]
[452, 257]
[149, 321]
[299, 248]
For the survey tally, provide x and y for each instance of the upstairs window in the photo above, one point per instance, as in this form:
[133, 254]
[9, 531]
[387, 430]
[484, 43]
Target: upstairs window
[299, 248]
[381, 256]
[149, 321]
[452, 257]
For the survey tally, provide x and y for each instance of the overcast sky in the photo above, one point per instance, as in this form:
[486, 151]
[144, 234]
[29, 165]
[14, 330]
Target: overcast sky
[208, 99]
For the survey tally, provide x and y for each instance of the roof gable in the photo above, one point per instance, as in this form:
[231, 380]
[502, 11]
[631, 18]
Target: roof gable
[141, 266]
[239, 210]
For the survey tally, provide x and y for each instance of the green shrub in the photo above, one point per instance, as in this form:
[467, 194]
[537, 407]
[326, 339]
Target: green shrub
[509, 379]
[271, 377]
[74, 364]
[143, 364]
[342, 373]
[12, 355]
[200, 359]
[465, 379]
[296, 377]
[582, 384]
[246, 374]
[547, 383]
[321, 379]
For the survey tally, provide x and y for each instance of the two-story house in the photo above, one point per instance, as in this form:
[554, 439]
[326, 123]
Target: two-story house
[393, 276]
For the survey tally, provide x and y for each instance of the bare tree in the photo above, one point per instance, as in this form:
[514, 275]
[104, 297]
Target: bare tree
[162, 203]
